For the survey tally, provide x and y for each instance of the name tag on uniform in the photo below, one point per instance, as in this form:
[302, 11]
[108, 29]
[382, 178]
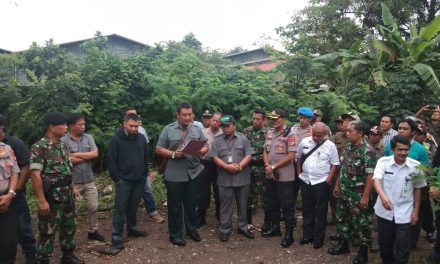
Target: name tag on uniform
[388, 172]
[405, 192]
[229, 159]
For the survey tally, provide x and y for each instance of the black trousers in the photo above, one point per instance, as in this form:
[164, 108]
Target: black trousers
[181, 199]
[8, 234]
[393, 238]
[314, 209]
[426, 218]
[207, 179]
[280, 195]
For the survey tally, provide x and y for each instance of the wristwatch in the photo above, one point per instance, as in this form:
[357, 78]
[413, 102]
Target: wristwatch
[13, 193]
[173, 155]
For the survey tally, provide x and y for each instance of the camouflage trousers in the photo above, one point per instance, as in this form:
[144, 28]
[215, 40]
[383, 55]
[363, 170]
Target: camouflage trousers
[62, 217]
[351, 221]
[258, 187]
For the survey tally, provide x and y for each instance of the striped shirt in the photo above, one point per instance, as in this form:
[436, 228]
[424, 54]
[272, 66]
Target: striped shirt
[387, 136]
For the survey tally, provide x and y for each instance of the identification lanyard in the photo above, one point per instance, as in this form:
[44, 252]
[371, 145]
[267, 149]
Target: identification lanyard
[229, 158]
[405, 191]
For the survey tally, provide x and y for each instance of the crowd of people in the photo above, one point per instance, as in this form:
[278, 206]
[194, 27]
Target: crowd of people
[358, 172]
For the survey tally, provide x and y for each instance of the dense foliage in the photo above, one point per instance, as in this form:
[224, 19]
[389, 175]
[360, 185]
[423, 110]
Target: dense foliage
[368, 62]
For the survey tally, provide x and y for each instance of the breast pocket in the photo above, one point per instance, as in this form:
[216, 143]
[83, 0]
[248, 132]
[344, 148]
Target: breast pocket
[6, 169]
[223, 152]
[239, 151]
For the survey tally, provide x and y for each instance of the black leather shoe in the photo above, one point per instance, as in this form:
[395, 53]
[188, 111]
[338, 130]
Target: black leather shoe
[362, 255]
[317, 245]
[265, 227]
[223, 237]
[274, 230]
[246, 233]
[70, 258]
[137, 233]
[95, 236]
[305, 241]
[335, 237]
[340, 248]
[194, 236]
[288, 238]
[430, 237]
[178, 242]
[117, 244]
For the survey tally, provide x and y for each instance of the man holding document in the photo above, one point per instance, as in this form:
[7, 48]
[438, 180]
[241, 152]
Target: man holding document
[181, 173]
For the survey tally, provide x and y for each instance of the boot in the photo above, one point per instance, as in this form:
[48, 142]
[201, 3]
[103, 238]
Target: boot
[288, 237]
[274, 230]
[266, 223]
[69, 258]
[340, 248]
[362, 256]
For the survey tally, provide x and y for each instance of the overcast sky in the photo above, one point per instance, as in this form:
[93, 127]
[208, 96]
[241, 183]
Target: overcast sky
[218, 24]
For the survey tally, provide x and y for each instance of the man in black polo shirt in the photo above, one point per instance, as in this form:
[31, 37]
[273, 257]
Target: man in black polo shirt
[25, 234]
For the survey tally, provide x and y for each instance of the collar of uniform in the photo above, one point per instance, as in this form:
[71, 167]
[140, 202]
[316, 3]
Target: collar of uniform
[235, 135]
[49, 141]
[179, 126]
[352, 146]
[80, 137]
[393, 162]
[281, 132]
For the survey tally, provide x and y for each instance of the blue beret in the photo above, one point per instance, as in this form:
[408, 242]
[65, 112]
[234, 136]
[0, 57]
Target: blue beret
[305, 111]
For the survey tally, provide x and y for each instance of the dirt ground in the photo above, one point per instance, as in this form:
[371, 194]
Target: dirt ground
[157, 249]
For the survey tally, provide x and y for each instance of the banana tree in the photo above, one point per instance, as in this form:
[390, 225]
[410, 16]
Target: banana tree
[416, 53]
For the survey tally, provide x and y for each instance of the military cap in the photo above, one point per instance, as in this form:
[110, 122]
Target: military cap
[376, 130]
[305, 111]
[350, 115]
[227, 120]
[207, 113]
[55, 118]
[317, 112]
[277, 113]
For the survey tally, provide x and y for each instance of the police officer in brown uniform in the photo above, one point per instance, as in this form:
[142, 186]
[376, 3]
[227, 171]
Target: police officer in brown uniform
[8, 214]
[280, 149]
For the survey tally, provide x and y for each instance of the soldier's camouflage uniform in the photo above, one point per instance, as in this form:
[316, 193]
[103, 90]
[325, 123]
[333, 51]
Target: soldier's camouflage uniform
[351, 221]
[258, 173]
[52, 159]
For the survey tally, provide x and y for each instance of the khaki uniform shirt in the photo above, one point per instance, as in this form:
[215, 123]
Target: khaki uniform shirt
[232, 150]
[278, 146]
[8, 166]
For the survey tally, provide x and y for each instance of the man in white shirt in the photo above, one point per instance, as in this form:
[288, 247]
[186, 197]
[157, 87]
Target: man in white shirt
[316, 166]
[397, 183]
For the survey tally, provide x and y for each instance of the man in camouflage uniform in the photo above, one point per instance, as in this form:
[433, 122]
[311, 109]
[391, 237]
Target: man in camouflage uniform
[52, 180]
[353, 189]
[340, 139]
[257, 135]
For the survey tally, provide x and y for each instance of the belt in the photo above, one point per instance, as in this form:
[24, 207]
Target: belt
[62, 183]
